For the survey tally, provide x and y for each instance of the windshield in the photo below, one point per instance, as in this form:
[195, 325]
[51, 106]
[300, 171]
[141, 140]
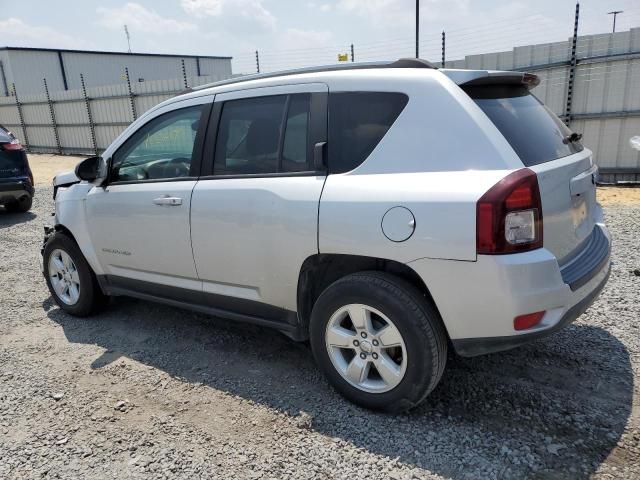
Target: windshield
[535, 132]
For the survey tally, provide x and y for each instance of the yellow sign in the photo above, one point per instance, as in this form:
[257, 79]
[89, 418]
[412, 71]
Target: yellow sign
[343, 57]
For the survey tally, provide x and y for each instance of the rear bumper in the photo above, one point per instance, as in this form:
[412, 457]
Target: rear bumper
[471, 347]
[13, 190]
[590, 260]
[479, 300]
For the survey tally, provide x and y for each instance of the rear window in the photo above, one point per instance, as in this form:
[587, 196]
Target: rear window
[5, 135]
[11, 162]
[357, 123]
[535, 132]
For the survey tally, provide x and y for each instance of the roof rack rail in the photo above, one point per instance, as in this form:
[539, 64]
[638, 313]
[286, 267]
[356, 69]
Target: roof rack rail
[400, 63]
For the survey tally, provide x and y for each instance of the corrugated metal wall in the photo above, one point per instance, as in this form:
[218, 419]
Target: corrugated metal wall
[145, 68]
[111, 112]
[5, 67]
[606, 92]
[215, 66]
[606, 98]
[27, 68]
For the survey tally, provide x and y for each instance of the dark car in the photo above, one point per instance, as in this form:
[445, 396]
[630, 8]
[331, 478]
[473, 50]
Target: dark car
[16, 179]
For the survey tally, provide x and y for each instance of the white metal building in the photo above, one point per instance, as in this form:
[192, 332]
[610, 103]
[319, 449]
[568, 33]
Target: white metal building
[27, 67]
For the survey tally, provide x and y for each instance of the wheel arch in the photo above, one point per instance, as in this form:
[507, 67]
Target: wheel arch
[62, 229]
[88, 253]
[321, 270]
[90, 294]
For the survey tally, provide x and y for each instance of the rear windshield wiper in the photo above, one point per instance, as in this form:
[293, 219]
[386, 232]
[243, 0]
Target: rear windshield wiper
[574, 137]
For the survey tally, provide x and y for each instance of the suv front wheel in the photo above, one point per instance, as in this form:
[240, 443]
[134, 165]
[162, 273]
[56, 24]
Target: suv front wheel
[71, 282]
[378, 340]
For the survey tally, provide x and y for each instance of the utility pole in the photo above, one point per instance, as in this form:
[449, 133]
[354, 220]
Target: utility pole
[126, 32]
[353, 57]
[257, 62]
[417, 28]
[615, 14]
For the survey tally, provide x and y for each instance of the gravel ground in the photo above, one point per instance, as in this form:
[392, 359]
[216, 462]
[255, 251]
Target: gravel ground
[148, 391]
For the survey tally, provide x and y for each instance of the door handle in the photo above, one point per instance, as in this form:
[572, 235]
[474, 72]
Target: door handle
[167, 200]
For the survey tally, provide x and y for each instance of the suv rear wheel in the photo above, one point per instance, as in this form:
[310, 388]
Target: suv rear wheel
[378, 340]
[69, 277]
[21, 205]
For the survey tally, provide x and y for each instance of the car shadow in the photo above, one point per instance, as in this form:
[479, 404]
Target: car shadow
[555, 408]
[8, 219]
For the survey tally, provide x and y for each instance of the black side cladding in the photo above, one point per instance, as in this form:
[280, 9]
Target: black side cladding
[589, 261]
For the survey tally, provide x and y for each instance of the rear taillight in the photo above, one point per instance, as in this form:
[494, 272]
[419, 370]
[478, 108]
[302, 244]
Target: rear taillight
[530, 320]
[13, 145]
[509, 215]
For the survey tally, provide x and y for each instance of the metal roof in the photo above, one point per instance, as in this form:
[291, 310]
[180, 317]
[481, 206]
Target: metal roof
[102, 52]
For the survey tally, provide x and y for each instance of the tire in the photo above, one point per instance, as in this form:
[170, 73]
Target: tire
[89, 296]
[21, 205]
[418, 361]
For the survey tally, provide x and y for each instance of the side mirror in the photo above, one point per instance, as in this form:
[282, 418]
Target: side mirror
[88, 169]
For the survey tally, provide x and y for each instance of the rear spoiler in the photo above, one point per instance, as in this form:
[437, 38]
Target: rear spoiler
[491, 77]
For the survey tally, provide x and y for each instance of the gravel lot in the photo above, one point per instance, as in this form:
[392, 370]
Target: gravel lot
[148, 391]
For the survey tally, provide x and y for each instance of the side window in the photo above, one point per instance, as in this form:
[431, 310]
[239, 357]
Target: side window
[162, 148]
[263, 135]
[295, 150]
[357, 123]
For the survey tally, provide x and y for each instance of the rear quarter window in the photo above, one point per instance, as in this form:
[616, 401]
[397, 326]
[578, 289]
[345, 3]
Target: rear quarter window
[357, 123]
[535, 133]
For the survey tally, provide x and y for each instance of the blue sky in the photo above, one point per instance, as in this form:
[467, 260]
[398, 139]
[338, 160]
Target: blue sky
[290, 33]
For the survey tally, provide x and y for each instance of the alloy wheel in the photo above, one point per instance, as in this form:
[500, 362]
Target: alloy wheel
[64, 277]
[366, 348]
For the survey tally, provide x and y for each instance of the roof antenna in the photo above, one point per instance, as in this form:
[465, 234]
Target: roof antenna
[126, 32]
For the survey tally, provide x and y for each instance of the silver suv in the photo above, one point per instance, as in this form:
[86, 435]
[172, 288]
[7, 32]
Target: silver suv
[384, 212]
